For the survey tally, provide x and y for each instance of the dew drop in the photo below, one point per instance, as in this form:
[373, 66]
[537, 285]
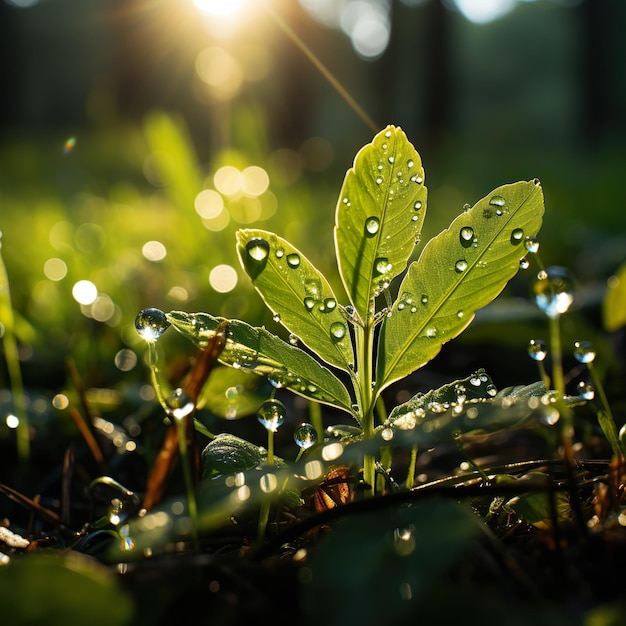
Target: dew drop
[460, 314]
[391, 159]
[305, 436]
[276, 317]
[537, 349]
[431, 332]
[424, 299]
[554, 291]
[271, 414]
[151, 324]
[293, 260]
[516, 236]
[586, 391]
[309, 303]
[410, 164]
[466, 236]
[280, 252]
[584, 351]
[524, 263]
[330, 304]
[382, 265]
[419, 180]
[497, 201]
[417, 206]
[387, 134]
[532, 244]
[293, 339]
[179, 404]
[258, 249]
[372, 224]
[379, 180]
[460, 266]
[337, 331]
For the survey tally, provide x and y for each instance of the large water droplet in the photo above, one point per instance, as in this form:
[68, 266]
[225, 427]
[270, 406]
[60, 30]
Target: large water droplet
[516, 236]
[293, 260]
[466, 236]
[372, 224]
[554, 291]
[309, 303]
[337, 331]
[417, 206]
[151, 324]
[537, 349]
[584, 351]
[329, 305]
[271, 414]
[305, 436]
[497, 201]
[258, 249]
[460, 266]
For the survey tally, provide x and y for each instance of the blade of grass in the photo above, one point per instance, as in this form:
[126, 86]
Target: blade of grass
[11, 356]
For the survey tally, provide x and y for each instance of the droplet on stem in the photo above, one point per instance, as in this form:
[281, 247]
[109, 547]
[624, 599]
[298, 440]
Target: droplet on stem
[151, 324]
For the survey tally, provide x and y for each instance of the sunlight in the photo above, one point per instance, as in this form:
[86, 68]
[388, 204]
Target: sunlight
[225, 9]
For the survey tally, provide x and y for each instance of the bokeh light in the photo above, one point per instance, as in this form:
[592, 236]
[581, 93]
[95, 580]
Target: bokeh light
[85, 292]
[223, 278]
[154, 251]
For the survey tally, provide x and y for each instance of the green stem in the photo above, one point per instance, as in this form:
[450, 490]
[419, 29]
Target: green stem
[365, 352]
[11, 355]
[605, 415]
[189, 486]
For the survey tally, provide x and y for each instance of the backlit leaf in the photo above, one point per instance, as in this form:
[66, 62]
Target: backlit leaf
[459, 271]
[298, 295]
[257, 350]
[379, 216]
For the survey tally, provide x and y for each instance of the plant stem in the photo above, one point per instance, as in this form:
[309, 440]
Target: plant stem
[11, 355]
[605, 415]
[189, 486]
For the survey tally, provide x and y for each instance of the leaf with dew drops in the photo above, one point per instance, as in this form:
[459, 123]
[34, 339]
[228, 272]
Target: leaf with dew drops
[298, 295]
[257, 350]
[379, 216]
[451, 280]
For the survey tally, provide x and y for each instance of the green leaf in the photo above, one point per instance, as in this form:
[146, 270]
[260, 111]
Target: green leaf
[614, 304]
[258, 351]
[69, 588]
[298, 295]
[379, 216]
[459, 271]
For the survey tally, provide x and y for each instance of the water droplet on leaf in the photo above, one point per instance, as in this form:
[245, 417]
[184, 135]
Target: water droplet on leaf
[466, 236]
[337, 331]
[516, 236]
[372, 224]
[258, 249]
[497, 201]
[460, 266]
[293, 260]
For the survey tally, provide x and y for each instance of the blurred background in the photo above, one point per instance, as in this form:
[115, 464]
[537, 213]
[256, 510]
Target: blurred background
[136, 137]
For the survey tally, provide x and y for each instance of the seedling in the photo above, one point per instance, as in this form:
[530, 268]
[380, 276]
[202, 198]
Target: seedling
[397, 311]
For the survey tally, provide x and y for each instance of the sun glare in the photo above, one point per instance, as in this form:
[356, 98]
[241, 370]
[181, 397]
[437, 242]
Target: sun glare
[221, 8]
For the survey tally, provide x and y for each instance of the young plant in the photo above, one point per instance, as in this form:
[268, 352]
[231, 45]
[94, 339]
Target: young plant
[371, 336]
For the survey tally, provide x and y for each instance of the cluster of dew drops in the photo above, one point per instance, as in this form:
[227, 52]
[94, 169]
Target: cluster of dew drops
[151, 323]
